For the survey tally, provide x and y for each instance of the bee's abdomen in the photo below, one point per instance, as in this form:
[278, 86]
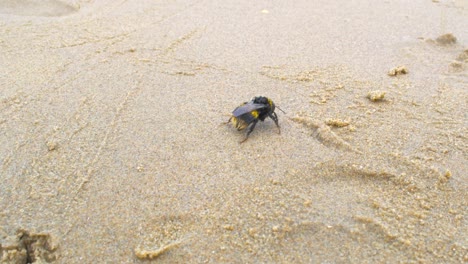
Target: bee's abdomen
[243, 121]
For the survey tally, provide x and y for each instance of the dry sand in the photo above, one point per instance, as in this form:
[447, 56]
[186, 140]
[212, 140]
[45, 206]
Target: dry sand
[112, 152]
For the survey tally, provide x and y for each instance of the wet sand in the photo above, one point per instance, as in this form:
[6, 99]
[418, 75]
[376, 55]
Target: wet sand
[112, 149]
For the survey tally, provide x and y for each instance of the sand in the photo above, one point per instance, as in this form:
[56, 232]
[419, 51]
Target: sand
[113, 148]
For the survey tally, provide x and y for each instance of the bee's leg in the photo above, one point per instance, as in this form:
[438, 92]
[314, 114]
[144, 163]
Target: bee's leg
[225, 123]
[251, 128]
[275, 118]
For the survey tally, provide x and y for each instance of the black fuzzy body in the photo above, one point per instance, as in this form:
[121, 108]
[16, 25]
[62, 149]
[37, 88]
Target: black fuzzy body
[249, 113]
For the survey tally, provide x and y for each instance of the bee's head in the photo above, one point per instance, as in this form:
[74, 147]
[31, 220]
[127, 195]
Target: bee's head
[261, 100]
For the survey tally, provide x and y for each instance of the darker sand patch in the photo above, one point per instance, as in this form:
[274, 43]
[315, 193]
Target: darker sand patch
[463, 56]
[46, 8]
[446, 39]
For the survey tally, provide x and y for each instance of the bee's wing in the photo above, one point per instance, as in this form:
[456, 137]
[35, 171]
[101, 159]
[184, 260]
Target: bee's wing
[247, 108]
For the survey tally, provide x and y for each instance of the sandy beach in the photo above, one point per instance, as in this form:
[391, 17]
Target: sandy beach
[113, 147]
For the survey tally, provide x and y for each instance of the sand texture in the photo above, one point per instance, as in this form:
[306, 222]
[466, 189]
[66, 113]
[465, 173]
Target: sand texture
[113, 148]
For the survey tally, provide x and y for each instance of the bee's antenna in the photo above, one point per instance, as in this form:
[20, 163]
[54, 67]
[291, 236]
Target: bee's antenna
[281, 109]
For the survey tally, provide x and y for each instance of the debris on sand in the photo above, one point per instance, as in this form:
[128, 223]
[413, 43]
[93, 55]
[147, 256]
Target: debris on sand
[336, 122]
[28, 247]
[152, 254]
[446, 39]
[398, 71]
[51, 145]
[375, 96]
[463, 56]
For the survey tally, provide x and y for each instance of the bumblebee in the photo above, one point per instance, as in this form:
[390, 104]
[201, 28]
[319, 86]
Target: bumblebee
[249, 113]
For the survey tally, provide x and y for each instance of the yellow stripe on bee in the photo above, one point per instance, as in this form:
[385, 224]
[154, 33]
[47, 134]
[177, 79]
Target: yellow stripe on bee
[238, 123]
[254, 113]
[234, 120]
[270, 102]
